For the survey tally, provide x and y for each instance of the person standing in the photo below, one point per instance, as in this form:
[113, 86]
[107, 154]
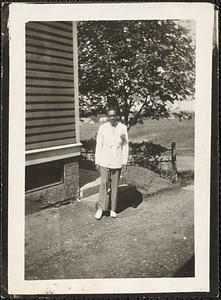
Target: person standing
[111, 157]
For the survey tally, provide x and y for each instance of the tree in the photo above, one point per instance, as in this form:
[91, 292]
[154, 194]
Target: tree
[139, 66]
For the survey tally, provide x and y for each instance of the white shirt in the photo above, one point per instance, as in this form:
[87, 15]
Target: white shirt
[112, 146]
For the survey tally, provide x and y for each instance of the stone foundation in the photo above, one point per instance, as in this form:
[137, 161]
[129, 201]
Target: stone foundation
[57, 194]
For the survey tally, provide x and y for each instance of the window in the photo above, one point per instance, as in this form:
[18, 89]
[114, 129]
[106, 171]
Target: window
[42, 175]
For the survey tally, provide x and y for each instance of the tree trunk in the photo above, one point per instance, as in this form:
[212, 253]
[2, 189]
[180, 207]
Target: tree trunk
[137, 115]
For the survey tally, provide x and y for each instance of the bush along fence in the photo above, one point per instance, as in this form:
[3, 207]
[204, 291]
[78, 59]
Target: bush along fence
[154, 157]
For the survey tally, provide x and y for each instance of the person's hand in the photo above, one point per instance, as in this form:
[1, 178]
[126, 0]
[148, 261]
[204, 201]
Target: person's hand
[123, 137]
[124, 169]
[98, 168]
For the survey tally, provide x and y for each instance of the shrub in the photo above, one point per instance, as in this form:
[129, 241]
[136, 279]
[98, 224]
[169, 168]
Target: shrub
[89, 145]
[144, 154]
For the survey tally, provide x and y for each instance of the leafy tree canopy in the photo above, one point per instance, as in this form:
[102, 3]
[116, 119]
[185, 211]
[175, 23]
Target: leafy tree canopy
[139, 66]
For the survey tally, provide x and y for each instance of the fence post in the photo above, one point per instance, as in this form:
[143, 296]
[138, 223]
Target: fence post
[173, 160]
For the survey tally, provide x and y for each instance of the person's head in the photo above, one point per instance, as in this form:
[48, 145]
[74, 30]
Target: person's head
[112, 116]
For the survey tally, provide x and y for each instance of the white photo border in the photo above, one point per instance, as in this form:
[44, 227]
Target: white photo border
[19, 14]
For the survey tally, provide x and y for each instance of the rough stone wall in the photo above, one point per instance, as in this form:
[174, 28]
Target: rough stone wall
[58, 194]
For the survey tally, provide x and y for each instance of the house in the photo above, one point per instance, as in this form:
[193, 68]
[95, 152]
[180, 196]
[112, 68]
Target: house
[52, 114]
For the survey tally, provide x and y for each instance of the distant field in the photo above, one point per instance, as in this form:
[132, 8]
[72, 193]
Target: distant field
[159, 132]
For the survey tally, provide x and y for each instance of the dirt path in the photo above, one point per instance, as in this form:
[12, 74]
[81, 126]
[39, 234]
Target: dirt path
[153, 240]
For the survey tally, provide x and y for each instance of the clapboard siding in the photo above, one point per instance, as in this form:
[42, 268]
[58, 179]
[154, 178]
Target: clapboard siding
[50, 107]
[37, 67]
[45, 82]
[50, 52]
[48, 113]
[51, 90]
[45, 28]
[65, 26]
[46, 129]
[48, 44]
[40, 58]
[46, 106]
[49, 136]
[39, 74]
[38, 123]
[44, 144]
[48, 98]
[48, 38]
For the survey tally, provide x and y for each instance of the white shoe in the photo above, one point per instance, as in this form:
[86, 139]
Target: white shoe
[113, 214]
[98, 214]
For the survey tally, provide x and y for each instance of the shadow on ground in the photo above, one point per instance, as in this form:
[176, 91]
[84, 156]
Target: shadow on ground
[188, 269]
[128, 196]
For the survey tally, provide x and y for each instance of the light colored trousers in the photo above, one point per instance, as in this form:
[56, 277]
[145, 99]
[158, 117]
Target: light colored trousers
[109, 177]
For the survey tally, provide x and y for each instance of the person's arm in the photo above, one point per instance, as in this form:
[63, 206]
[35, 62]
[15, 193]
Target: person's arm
[99, 145]
[125, 150]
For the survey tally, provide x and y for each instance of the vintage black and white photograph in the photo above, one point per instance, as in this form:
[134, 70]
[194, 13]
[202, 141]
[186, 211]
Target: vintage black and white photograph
[109, 170]
[129, 186]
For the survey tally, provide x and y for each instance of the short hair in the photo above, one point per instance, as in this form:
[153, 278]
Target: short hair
[112, 108]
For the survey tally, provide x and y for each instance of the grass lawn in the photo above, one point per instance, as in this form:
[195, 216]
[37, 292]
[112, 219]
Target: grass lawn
[159, 132]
